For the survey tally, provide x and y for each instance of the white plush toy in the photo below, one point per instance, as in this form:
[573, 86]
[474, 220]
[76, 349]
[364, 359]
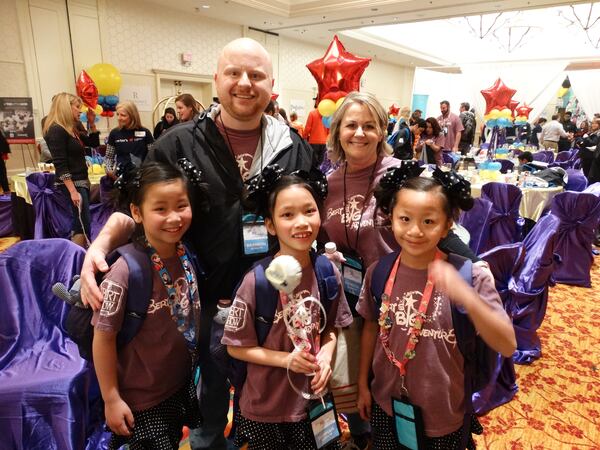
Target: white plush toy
[284, 273]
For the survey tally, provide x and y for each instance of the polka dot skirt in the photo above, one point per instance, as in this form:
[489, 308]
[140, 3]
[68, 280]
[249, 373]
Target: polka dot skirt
[384, 434]
[159, 427]
[270, 436]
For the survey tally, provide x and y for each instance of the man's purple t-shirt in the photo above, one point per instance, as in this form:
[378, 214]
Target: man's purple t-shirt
[451, 125]
[267, 395]
[435, 377]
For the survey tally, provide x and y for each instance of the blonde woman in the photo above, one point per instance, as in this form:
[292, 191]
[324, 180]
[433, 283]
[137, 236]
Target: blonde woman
[67, 147]
[128, 143]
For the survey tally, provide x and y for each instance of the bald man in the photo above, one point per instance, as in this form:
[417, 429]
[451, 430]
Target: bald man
[229, 144]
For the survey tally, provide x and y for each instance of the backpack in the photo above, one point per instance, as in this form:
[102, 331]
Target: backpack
[264, 315]
[78, 321]
[480, 361]
[402, 150]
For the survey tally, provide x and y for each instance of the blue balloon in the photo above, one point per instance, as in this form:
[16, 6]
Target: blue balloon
[101, 99]
[327, 121]
[491, 123]
[495, 166]
[112, 100]
[83, 117]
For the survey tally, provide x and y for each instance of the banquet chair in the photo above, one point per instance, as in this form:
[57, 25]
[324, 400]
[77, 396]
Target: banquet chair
[504, 261]
[579, 214]
[577, 181]
[100, 212]
[476, 221]
[593, 188]
[504, 227]
[507, 165]
[6, 227]
[43, 381]
[544, 156]
[563, 156]
[52, 209]
[527, 295]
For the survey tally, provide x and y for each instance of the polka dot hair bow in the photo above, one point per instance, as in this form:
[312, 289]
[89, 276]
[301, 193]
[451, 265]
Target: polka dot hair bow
[458, 189]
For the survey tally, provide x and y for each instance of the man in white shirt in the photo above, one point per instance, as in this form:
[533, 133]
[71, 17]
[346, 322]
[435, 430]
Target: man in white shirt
[552, 132]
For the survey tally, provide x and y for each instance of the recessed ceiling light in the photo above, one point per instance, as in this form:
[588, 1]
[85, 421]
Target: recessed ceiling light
[205, 6]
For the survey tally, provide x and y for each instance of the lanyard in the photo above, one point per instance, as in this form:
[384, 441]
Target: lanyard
[184, 318]
[298, 318]
[385, 321]
[362, 211]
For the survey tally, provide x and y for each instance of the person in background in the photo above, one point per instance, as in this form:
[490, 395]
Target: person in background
[416, 115]
[283, 116]
[587, 145]
[186, 106]
[129, 142]
[403, 120]
[534, 137]
[524, 158]
[564, 143]
[451, 127]
[316, 134]
[467, 119]
[4, 152]
[429, 147]
[551, 133]
[296, 124]
[67, 147]
[166, 121]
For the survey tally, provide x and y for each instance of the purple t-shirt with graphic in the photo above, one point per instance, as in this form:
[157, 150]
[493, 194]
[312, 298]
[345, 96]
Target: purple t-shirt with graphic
[267, 395]
[435, 377]
[243, 144]
[451, 125]
[375, 236]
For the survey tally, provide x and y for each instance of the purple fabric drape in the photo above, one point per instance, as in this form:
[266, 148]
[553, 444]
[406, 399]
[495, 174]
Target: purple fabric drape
[53, 216]
[544, 155]
[593, 188]
[503, 225]
[577, 181]
[506, 164]
[6, 228]
[528, 290]
[43, 381]
[563, 156]
[579, 214]
[476, 221]
[504, 261]
[100, 212]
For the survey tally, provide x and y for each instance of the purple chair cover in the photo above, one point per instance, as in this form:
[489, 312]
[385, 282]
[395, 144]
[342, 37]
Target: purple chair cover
[517, 152]
[53, 217]
[446, 158]
[593, 188]
[507, 165]
[577, 181]
[100, 212]
[544, 155]
[43, 381]
[563, 156]
[6, 228]
[503, 225]
[476, 221]
[579, 214]
[504, 261]
[528, 289]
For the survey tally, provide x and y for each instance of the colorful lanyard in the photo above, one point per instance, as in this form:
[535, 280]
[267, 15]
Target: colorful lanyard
[298, 322]
[385, 321]
[184, 317]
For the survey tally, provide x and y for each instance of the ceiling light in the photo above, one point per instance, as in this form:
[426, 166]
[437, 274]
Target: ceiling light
[205, 6]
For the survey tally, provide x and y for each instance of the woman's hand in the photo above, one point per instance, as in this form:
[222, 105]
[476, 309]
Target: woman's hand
[119, 417]
[364, 402]
[76, 199]
[302, 362]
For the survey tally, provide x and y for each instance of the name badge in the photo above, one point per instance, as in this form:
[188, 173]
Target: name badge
[140, 134]
[352, 272]
[323, 421]
[254, 235]
[445, 131]
[408, 423]
[401, 141]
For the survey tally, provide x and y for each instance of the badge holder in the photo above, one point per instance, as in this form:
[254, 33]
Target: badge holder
[408, 424]
[352, 275]
[255, 238]
[323, 421]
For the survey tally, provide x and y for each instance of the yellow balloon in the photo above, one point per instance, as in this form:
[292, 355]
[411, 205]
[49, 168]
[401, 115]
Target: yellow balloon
[107, 78]
[494, 114]
[506, 113]
[486, 117]
[326, 107]
[84, 108]
[98, 109]
[339, 102]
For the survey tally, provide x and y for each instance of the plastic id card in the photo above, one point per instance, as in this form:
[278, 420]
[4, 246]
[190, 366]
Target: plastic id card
[408, 422]
[352, 272]
[323, 421]
[255, 238]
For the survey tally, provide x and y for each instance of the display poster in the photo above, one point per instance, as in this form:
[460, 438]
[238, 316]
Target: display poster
[16, 120]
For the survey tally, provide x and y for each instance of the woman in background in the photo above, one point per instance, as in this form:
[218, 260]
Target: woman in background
[429, 147]
[166, 121]
[186, 106]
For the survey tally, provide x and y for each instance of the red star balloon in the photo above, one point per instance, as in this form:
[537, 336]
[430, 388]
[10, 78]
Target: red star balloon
[513, 105]
[393, 109]
[498, 96]
[87, 90]
[337, 70]
[274, 97]
[524, 110]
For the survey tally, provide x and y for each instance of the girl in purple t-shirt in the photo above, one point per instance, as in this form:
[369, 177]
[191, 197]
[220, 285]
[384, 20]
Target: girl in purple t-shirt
[272, 413]
[409, 342]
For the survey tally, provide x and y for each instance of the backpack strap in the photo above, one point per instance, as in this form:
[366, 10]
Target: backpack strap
[140, 283]
[266, 301]
[379, 277]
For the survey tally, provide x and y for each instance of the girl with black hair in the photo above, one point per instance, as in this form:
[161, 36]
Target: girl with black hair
[409, 342]
[168, 119]
[272, 414]
[149, 385]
